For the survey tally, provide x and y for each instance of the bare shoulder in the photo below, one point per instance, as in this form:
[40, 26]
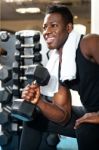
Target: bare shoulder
[90, 38]
[90, 46]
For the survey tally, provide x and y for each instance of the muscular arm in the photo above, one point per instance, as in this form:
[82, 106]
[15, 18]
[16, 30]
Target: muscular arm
[59, 110]
[90, 47]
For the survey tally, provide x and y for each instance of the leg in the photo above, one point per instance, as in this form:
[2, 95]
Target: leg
[32, 131]
[30, 138]
[88, 137]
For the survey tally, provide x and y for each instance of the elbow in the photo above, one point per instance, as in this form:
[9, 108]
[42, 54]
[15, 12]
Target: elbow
[65, 119]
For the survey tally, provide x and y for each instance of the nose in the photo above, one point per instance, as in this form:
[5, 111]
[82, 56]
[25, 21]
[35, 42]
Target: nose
[47, 31]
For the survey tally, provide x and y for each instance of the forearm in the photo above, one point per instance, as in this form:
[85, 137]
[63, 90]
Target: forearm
[58, 111]
[53, 112]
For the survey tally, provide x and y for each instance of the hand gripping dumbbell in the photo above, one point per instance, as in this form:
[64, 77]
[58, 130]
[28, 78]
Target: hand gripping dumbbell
[25, 110]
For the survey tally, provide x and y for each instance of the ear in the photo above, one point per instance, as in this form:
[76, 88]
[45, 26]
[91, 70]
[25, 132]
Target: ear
[69, 27]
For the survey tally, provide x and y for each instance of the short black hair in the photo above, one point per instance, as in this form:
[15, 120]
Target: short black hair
[61, 9]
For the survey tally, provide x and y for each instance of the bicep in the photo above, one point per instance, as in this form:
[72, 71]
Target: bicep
[63, 98]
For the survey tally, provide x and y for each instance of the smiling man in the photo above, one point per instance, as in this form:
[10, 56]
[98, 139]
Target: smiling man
[74, 64]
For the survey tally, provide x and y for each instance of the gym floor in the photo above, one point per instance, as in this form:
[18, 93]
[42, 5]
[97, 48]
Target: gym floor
[67, 143]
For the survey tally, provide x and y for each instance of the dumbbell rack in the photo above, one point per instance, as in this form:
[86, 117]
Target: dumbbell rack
[27, 54]
[9, 136]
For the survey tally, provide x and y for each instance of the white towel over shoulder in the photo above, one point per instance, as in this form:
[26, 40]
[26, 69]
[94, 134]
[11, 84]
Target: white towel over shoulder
[68, 65]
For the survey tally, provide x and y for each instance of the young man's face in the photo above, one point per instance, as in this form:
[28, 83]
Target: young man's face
[55, 31]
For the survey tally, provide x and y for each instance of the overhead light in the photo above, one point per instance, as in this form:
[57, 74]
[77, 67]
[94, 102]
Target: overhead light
[17, 1]
[75, 17]
[31, 10]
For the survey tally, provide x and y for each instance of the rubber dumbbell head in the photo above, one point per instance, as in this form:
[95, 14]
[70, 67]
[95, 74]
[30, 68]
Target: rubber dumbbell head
[24, 110]
[4, 138]
[39, 74]
[5, 94]
[5, 74]
[37, 58]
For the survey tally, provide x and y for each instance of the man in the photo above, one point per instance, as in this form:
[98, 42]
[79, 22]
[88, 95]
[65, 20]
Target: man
[58, 116]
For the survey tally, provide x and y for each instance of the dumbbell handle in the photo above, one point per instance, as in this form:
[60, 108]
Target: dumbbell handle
[27, 56]
[27, 45]
[27, 66]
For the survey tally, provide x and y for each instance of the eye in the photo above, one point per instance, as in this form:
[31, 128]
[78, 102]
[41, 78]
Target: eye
[44, 27]
[54, 25]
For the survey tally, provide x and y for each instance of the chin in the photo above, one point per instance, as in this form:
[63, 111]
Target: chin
[51, 47]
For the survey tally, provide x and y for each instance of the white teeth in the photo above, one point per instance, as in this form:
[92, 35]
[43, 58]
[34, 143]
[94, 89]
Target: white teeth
[50, 39]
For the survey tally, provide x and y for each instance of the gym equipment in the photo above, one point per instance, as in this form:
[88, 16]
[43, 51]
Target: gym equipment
[24, 110]
[3, 52]
[5, 115]
[5, 74]
[39, 74]
[10, 128]
[4, 36]
[4, 137]
[25, 57]
[5, 94]
[8, 49]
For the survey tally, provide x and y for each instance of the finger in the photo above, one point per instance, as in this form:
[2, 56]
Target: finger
[79, 121]
[87, 118]
[24, 94]
[34, 85]
[77, 124]
[37, 96]
[28, 95]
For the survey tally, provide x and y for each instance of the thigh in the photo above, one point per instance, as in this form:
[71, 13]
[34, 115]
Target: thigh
[88, 137]
[30, 138]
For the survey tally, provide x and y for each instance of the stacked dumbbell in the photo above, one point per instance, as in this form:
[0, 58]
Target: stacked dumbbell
[26, 55]
[9, 127]
[4, 94]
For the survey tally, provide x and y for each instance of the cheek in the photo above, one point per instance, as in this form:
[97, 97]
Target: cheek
[60, 40]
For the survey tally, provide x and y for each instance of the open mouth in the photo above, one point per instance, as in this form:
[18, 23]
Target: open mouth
[50, 40]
